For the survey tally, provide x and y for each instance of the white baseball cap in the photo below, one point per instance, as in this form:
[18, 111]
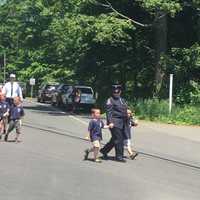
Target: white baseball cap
[12, 76]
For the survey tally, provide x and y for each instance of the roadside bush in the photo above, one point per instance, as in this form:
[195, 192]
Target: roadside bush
[158, 110]
[186, 115]
[151, 108]
[189, 94]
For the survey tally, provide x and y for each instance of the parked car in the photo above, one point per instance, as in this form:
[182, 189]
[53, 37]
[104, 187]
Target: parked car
[87, 99]
[23, 87]
[57, 95]
[45, 92]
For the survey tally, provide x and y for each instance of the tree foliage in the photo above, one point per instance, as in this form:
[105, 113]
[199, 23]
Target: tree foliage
[100, 42]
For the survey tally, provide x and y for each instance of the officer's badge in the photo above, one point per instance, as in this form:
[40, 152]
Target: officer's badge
[108, 102]
[18, 110]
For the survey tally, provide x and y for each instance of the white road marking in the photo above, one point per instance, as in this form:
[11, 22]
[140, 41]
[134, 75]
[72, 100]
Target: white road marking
[76, 118]
[54, 109]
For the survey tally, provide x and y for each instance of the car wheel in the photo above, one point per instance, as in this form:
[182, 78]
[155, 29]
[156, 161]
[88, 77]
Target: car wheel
[67, 107]
[57, 102]
[61, 104]
[52, 102]
[42, 100]
[88, 108]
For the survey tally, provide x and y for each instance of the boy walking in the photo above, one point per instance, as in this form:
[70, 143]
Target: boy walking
[16, 113]
[95, 133]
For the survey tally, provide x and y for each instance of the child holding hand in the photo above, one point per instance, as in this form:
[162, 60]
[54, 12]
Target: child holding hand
[131, 122]
[95, 134]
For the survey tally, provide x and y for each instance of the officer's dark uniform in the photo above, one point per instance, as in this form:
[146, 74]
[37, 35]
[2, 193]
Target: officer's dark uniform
[116, 111]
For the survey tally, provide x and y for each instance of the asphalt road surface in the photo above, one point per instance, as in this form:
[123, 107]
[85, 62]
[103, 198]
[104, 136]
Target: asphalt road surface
[48, 163]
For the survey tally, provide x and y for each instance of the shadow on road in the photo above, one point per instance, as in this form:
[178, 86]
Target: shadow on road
[71, 134]
[47, 109]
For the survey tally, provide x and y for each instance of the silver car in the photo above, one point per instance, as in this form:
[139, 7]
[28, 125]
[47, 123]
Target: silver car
[87, 99]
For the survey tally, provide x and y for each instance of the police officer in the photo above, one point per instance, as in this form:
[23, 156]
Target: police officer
[116, 112]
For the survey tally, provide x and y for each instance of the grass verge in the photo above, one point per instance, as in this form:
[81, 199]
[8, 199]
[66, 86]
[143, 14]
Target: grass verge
[158, 110]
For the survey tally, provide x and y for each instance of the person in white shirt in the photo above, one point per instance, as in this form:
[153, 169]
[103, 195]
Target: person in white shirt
[1, 87]
[11, 90]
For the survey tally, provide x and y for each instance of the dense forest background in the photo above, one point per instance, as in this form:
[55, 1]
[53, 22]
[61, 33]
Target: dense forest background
[137, 43]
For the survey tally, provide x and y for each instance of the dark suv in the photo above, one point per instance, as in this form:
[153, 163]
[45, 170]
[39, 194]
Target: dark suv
[23, 87]
[45, 92]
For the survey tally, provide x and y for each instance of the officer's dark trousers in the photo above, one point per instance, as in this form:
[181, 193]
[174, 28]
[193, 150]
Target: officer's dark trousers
[115, 141]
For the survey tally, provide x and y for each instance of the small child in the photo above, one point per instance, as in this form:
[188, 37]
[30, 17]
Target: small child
[95, 133]
[131, 121]
[16, 113]
[4, 112]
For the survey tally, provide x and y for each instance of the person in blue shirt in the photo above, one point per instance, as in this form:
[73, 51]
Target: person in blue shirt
[95, 134]
[4, 112]
[16, 114]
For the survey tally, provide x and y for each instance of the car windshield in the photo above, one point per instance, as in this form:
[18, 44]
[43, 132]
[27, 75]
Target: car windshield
[85, 90]
[51, 87]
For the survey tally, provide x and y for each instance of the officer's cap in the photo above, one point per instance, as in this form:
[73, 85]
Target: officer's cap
[12, 76]
[116, 88]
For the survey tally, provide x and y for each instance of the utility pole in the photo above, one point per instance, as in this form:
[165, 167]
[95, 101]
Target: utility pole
[170, 93]
[4, 67]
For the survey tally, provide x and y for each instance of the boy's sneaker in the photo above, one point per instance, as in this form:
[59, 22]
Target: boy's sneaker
[132, 157]
[97, 160]
[86, 154]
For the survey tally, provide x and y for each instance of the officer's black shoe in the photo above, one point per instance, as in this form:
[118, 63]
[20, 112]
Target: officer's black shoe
[120, 160]
[6, 138]
[104, 155]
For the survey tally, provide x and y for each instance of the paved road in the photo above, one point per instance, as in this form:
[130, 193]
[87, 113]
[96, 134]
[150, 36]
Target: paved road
[48, 164]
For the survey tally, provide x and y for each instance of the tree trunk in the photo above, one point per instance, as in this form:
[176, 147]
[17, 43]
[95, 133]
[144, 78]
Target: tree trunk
[160, 30]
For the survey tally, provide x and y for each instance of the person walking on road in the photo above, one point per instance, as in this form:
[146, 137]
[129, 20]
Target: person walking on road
[131, 122]
[116, 112]
[16, 114]
[11, 90]
[95, 134]
[76, 98]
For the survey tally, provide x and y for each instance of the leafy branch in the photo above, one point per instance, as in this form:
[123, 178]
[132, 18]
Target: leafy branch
[109, 6]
